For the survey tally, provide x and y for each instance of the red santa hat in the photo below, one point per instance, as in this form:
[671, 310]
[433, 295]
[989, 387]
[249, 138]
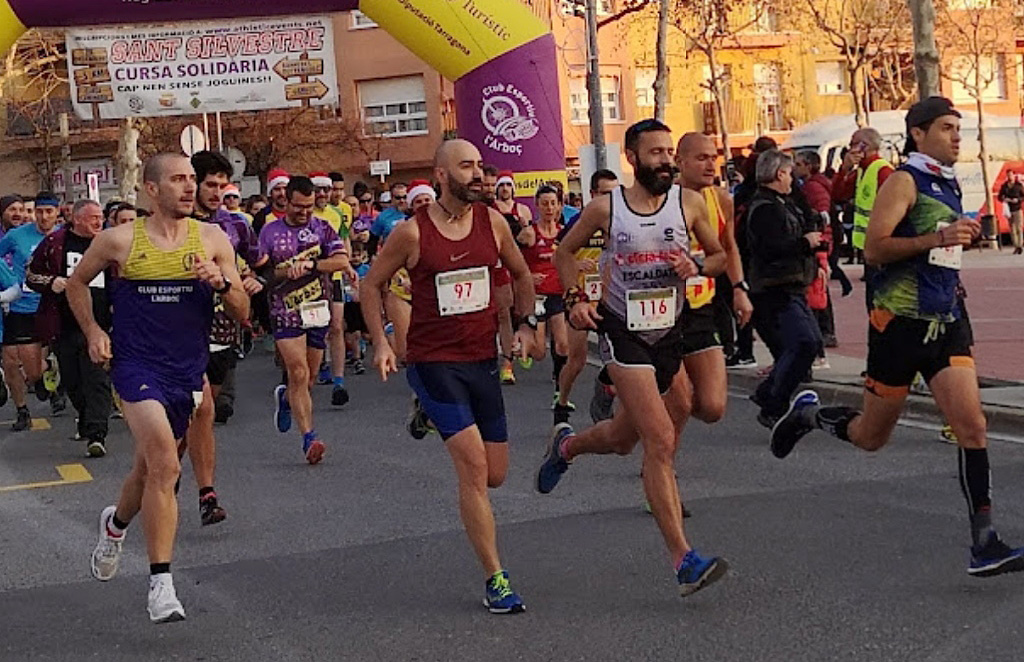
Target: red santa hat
[320, 179]
[418, 187]
[277, 177]
[505, 177]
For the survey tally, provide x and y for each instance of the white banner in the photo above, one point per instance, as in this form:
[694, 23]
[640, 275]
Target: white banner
[194, 68]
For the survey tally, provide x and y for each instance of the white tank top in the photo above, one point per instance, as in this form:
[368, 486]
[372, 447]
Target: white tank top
[641, 287]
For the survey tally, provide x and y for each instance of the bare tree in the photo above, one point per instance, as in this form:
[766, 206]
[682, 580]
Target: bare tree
[975, 27]
[299, 135]
[711, 26]
[862, 31]
[661, 61]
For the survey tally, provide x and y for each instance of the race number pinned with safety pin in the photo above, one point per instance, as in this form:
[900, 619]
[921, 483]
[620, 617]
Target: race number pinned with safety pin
[593, 286]
[463, 291]
[949, 257]
[649, 310]
[315, 314]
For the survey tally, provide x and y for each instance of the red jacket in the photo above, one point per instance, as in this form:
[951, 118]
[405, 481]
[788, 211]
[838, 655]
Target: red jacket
[845, 183]
[818, 191]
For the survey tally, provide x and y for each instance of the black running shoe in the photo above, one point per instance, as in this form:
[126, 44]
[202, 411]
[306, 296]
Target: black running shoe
[58, 403]
[23, 420]
[796, 423]
[419, 424]
[42, 394]
[995, 558]
[339, 395]
[210, 510]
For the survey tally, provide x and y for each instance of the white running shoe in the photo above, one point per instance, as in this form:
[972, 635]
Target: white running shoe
[163, 601]
[107, 554]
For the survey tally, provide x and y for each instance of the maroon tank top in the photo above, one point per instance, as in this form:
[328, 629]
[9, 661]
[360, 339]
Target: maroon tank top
[464, 337]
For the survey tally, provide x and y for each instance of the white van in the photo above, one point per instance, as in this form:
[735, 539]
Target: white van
[828, 136]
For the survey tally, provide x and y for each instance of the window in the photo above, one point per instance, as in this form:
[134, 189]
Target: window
[991, 72]
[768, 90]
[831, 77]
[361, 21]
[962, 5]
[579, 100]
[763, 18]
[579, 7]
[724, 83]
[644, 78]
[394, 106]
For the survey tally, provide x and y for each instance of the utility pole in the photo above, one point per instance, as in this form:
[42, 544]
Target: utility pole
[596, 110]
[926, 53]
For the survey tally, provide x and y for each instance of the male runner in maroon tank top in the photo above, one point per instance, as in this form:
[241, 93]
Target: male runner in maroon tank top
[451, 249]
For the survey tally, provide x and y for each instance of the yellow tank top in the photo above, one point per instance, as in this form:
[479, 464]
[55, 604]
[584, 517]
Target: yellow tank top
[701, 290]
[147, 262]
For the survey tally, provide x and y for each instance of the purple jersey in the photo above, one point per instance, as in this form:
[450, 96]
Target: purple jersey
[247, 249]
[286, 244]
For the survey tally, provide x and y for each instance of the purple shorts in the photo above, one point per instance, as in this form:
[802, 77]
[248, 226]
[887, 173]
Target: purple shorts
[315, 338]
[135, 384]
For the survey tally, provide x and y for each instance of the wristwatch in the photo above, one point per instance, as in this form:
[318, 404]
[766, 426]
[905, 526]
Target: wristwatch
[742, 285]
[530, 321]
[699, 261]
[224, 288]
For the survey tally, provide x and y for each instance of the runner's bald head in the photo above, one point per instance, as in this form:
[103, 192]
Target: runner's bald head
[458, 167]
[693, 142]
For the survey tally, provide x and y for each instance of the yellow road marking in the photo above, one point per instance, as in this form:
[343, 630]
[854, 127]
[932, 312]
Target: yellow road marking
[69, 475]
[37, 424]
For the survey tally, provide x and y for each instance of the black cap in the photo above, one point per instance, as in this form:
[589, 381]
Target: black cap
[929, 109]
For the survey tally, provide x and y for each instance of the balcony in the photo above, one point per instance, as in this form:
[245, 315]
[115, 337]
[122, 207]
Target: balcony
[744, 115]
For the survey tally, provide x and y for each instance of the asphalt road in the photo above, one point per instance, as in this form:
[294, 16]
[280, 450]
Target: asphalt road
[835, 554]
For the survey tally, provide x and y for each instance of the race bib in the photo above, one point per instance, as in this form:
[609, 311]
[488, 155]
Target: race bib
[540, 305]
[315, 314]
[648, 310]
[593, 286]
[949, 257]
[463, 291]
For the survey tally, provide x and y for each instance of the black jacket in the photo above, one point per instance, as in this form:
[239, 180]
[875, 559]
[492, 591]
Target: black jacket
[780, 257]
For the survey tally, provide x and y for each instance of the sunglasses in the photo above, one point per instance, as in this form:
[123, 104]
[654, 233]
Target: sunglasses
[366, 201]
[398, 197]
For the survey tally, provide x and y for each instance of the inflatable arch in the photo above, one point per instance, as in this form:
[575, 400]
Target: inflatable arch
[500, 56]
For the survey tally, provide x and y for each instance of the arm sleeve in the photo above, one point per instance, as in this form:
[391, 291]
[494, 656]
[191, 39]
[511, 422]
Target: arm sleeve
[843, 185]
[39, 276]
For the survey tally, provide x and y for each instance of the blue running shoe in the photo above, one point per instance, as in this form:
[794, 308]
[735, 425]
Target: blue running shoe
[554, 465]
[282, 410]
[796, 423]
[324, 376]
[995, 558]
[696, 572]
[499, 597]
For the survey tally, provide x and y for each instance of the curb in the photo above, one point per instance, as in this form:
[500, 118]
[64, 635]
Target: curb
[1002, 421]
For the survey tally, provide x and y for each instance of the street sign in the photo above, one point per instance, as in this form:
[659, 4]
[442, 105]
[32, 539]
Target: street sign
[92, 75]
[95, 93]
[93, 180]
[88, 57]
[192, 140]
[305, 91]
[294, 68]
[380, 168]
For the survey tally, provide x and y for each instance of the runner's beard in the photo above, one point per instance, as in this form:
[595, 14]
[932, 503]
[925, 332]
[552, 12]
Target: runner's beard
[463, 192]
[651, 179]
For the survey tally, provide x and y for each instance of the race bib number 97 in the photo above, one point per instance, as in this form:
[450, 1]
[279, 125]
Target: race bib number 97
[649, 310]
[463, 291]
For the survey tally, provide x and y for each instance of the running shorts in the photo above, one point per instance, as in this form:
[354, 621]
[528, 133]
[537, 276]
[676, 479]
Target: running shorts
[221, 363]
[899, 347]
[135, 383]
[19, 329]
[315, 338]
[549, 305]
[337, 291]
[354, 322]
[618, 345]
[458, 395]
[700, 333]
